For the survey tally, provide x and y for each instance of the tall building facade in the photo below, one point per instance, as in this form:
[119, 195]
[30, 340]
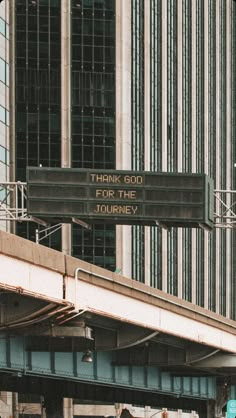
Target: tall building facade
[135, 85]
[4, 100]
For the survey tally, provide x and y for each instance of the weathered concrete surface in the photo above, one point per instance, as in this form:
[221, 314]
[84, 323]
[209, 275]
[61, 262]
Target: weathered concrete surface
[39, 258]
[26, 250]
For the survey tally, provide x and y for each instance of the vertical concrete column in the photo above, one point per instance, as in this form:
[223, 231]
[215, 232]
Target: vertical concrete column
[12, 88]
[179, 413]
[123, 120]
[6, 400]
[12, 26]
[194, 414]
[228, 152]
[147, 411]
[15, 409]
[147, 132]
[164, 96]
[218, 155]
[180, 135]
[194, 141]
[68, 408]
[65, 136]
[118, 409]
[66, 105]
[206, 143]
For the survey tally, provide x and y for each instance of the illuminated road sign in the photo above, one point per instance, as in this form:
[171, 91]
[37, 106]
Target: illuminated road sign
[120, 197]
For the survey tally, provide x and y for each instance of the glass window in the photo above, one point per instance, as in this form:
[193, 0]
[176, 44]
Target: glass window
[2, 154]
[4, 28]
[7, 31]
[55, 123]
[7, 118]
[7, 74]
[2, 70]
[2, 114]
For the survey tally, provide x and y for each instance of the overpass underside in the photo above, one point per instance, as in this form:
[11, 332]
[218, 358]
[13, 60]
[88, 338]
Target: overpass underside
[147, 347]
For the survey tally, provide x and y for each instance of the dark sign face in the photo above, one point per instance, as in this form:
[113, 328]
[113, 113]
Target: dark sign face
[125, 194]
[116, 179]
[122, 197]
[119, 193]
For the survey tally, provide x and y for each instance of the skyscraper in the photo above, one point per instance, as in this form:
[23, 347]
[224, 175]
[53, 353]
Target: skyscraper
[137, 85]
[65, 99]
[4, 97]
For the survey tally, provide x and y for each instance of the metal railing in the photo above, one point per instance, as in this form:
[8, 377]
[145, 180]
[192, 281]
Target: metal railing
[13, 197]
[225, 208]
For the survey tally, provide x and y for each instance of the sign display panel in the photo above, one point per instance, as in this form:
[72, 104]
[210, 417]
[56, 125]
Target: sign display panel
[121, 197]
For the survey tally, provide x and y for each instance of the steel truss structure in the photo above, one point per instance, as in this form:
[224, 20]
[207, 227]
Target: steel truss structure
[13, 205]
[13, 197]
[225, 208]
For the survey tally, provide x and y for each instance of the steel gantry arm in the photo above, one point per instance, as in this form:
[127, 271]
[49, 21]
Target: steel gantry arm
[13, 207]
[13, 201]
[225, 208]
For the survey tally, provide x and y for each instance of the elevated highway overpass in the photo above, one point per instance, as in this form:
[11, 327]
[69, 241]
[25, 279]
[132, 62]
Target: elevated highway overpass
[147, 347]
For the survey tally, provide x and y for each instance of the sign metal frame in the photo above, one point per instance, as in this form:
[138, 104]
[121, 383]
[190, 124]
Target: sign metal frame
[120, 197]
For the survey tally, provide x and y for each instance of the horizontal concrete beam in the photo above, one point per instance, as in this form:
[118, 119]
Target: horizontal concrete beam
[146, 313]
[30, 268]
[30, 279]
